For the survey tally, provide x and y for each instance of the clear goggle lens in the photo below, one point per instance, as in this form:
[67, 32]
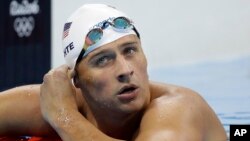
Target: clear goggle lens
[119, 24]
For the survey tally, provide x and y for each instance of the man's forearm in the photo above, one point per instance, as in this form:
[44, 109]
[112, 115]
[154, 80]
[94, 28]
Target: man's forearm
[72, 126]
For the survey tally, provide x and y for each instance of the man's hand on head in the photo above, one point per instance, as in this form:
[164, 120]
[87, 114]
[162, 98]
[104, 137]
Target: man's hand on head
[58, 96]
[59, 108]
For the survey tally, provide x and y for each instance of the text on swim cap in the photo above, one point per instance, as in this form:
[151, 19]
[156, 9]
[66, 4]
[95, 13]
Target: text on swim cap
[68, 48]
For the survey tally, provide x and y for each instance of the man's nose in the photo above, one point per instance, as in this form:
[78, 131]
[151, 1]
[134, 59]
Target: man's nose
[125, 70]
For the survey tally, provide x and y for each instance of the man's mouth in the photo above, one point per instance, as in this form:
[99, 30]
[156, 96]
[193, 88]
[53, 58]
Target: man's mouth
[128, 92]
[127, 89]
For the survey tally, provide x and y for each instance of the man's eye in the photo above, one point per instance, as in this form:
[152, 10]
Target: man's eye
[102, 61]
[130, 50]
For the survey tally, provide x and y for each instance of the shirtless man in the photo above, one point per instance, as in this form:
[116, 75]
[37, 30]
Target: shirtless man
[111, 97]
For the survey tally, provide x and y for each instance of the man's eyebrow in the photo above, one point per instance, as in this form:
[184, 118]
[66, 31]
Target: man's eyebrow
[99, 53]
[128, 43]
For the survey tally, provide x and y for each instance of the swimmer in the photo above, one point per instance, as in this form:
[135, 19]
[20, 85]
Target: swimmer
[103, 92]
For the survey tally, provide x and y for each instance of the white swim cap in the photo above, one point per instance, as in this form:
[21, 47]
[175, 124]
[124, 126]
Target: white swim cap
[81, 22]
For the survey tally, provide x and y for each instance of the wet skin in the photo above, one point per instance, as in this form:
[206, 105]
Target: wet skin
[114, 82]
[116, 101]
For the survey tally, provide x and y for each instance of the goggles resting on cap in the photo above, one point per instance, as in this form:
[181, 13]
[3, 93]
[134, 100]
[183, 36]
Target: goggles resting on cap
[119, 24]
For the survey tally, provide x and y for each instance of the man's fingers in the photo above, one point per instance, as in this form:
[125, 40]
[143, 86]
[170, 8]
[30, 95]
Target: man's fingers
[71, 73]
[66, 69]
[62, 70]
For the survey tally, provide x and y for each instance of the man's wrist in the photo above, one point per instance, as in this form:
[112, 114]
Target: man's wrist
[63, 118]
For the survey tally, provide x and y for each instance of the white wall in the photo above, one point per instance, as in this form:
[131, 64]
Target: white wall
[174, 32]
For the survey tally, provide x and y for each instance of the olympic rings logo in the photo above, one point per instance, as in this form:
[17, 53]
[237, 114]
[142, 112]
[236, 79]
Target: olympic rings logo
[24, 26]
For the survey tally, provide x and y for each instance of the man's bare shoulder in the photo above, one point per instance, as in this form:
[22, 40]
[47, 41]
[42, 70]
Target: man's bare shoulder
[180, 112]
[176, 97]
[159, 89]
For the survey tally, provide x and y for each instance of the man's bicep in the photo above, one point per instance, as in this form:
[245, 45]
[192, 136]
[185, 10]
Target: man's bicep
[156, 135]
[171, 134]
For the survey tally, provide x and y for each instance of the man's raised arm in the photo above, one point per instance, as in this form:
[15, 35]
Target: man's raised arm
[20, 112]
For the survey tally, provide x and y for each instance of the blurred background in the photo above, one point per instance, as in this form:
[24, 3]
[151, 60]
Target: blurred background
[200, 44]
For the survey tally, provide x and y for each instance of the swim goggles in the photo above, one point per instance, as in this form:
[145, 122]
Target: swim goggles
[119, 24]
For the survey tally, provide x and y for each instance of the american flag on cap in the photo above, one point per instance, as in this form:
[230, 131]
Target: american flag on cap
[66, 29]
